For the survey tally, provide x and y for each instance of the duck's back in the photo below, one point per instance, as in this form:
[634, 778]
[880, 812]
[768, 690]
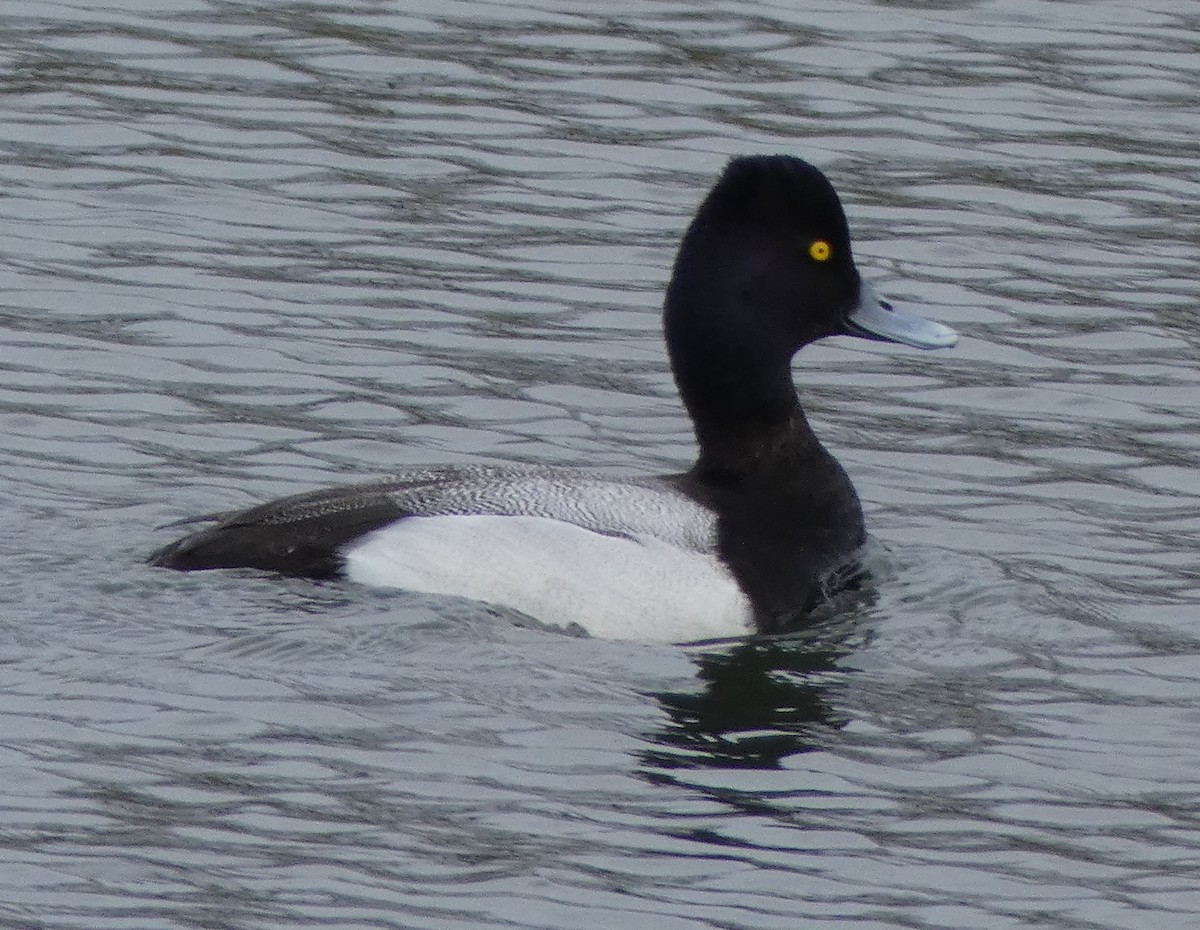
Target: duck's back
[305, 534]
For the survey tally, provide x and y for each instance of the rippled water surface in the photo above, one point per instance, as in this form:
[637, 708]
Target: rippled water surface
[254, 247]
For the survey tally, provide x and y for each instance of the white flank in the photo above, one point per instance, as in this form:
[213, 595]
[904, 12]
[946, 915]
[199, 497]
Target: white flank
[559, 574]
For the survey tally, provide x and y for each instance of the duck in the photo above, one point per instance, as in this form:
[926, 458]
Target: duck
[745, 542]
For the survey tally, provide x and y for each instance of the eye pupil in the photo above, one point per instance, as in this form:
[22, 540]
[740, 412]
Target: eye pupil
[820, 251]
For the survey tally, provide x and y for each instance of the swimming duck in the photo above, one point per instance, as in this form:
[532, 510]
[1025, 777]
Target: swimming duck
[743, 542]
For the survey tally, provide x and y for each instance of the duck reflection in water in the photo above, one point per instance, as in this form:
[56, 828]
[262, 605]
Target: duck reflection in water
[763, 699]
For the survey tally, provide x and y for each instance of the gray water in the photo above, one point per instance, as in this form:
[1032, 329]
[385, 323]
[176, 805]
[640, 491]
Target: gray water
[255, 247]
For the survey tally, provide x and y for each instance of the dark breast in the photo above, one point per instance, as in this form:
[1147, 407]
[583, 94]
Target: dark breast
[784, 532]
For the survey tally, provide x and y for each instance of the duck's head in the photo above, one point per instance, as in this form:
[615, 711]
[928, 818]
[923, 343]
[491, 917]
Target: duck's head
[766, 267]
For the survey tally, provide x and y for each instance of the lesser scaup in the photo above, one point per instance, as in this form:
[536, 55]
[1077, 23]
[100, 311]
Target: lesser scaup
[743, 542]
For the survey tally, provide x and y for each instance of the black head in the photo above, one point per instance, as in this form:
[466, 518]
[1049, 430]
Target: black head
[767, 256]
[764, 268]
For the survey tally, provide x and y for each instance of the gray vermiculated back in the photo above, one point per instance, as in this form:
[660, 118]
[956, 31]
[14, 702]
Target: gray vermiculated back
[627, 507]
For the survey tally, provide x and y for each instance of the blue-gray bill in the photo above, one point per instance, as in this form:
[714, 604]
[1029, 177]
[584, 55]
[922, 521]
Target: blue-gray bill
[875, 318]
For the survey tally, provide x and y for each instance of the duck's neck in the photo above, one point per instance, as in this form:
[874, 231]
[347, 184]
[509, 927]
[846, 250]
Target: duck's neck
[747, 417]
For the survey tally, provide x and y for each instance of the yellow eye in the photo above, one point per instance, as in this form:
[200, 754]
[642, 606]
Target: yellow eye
[820, 251]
